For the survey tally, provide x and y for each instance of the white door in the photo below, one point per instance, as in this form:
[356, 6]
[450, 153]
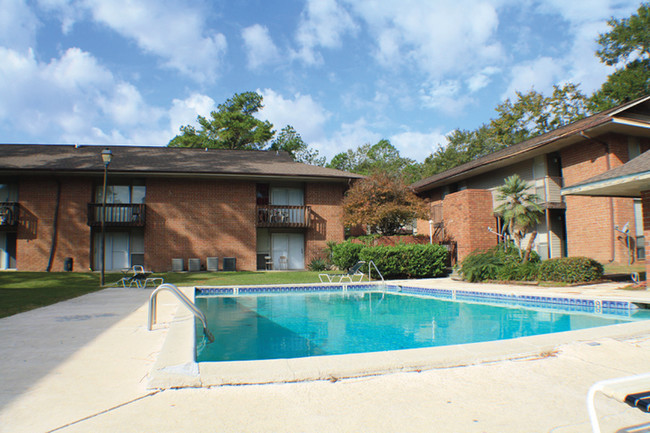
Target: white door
[296, 251]
[119, 251]
[291, 246]
[116, 251]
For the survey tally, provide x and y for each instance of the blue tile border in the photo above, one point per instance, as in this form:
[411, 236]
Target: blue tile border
[559, 303]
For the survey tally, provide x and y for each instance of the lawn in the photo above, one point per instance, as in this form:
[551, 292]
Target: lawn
[23, 291]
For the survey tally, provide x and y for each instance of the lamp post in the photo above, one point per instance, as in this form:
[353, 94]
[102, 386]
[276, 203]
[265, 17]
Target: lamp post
[107, 155]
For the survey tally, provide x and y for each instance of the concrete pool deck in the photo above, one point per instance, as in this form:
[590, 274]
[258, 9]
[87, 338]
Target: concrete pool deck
[85, 365]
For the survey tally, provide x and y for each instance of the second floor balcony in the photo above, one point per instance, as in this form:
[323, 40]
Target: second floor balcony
[283, 216]
[117, 214]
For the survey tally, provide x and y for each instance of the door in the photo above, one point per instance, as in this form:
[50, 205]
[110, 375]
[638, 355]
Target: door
[291, 246]
[7, 250]
[117, 248]
[116, 251]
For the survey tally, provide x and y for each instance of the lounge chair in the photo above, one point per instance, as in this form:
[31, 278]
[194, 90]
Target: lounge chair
[633, 390]
[140, 278]
[354, 271]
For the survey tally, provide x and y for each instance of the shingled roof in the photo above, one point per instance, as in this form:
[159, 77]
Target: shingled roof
[630, 114]
[150, 160]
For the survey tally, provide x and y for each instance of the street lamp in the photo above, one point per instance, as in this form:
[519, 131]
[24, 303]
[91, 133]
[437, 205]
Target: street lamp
[107, 155]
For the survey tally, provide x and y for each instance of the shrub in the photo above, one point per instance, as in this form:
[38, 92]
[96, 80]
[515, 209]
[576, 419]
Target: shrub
[502, 262]
[346, 254]
[407, 261]
[570, 270]
[318, 265]
[481, 266]
[425, 260]
[518, 272]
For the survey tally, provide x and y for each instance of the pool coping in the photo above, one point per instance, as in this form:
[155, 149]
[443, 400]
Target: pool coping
[176, 367]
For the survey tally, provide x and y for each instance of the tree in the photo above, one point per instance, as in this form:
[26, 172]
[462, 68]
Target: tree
[288, 140]
[233, 126]
[519, 210]
[383, 203]
[627, 45]
[381, 157]
[531, 114]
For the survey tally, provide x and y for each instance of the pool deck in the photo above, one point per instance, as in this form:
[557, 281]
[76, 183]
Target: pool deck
[87, 364]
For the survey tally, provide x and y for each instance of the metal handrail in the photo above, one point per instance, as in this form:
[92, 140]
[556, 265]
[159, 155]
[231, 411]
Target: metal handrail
[184, 300]
[376, 269]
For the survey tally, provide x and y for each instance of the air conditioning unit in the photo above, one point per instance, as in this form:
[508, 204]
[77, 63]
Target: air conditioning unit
[212, 264]
[194, 265]
[177, 265]
[229, 264]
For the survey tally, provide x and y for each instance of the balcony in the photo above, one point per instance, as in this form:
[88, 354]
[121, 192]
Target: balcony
[8, 215]
[283, 216]
[117, 214]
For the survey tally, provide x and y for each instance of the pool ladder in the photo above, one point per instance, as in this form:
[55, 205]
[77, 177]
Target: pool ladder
[383, 282]
[184, 300]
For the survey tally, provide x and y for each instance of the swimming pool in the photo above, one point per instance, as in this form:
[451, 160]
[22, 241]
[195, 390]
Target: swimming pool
[256, 323]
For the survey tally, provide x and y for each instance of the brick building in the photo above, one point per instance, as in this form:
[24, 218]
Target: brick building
[631, 179]
[462, 199]
[162, 204]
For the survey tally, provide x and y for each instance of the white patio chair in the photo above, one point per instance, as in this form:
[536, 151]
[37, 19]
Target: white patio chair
[633, 390]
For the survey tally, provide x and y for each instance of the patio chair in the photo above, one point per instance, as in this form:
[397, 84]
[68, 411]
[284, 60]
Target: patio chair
[140, 278]
[633, 390]
[354, 271]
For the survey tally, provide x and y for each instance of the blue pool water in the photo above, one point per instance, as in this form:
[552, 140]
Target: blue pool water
[313, 324]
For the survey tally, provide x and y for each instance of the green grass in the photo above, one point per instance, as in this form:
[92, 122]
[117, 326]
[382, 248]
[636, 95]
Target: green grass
[24, 291]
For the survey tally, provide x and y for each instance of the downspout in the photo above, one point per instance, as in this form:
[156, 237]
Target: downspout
[55, 225]
[612, 236]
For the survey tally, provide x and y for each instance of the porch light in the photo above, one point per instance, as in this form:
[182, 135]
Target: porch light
[107, 156]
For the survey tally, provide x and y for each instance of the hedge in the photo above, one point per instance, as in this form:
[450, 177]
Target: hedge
[346, 254]
[400, 261]
[570, 270]
[505, 265]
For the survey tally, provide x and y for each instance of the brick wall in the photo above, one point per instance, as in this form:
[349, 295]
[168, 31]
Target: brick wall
[467, 215]
[37, 206]
[199, 219]
[590, 221]
[326, 218]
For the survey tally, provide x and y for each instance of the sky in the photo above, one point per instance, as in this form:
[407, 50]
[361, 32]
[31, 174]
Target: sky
[343, 73]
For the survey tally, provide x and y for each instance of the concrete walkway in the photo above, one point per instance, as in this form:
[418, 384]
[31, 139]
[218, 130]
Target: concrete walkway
[82, 365]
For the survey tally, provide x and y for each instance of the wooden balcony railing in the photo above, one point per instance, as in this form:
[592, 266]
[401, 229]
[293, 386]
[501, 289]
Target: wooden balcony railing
[283, 216]
[8, 215]
[117, 214]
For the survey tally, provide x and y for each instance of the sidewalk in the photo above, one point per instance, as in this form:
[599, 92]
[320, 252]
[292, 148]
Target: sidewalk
[82, 365]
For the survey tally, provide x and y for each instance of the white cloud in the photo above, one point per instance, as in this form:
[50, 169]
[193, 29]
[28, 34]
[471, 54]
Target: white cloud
[184, 112]
[175, 32]
[417, 145]
[323, 24]
[75, 99]
[481, 79]
[436, 37]
[301, 112]
[540, 74]
[578, 64]
[260, 47]
[445, 96]
[349, 136]
[18, 25]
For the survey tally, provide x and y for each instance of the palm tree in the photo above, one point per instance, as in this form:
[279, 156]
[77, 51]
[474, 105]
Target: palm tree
[519, 210]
